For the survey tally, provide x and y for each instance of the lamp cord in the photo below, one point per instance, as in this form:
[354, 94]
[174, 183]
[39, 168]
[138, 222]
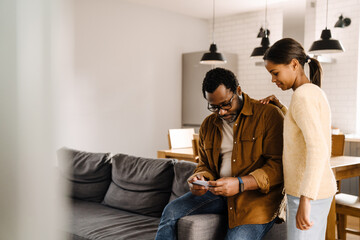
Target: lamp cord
[327, 6]
[213, 22]
[266, 19]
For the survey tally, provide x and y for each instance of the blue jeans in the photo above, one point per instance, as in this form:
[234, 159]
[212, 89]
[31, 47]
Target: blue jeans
[189, 204]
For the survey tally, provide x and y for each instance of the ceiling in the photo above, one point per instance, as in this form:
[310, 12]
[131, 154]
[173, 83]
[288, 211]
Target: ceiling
[204, 8]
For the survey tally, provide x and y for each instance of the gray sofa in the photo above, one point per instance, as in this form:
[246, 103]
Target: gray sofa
[122, 197]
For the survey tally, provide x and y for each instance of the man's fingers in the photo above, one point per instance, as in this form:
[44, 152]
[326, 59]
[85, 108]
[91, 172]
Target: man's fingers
[199, 177]
[215, 191]
[213, 183]
[196, 177]
[198, 187]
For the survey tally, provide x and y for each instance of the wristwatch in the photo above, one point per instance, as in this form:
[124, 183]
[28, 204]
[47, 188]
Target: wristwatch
[241, 185]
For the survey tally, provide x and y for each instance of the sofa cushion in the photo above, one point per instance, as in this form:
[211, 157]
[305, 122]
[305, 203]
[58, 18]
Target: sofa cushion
[89, 173]
[140, 185]
[182, 171]
[202, 227]
[91, 220]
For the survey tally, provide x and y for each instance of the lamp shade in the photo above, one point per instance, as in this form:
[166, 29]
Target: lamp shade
[260, 51]
[326, 44]
[212, 57]
[263, 33]
[342, 22]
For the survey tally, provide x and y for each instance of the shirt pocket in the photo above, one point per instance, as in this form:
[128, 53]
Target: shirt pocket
[251, 147]
[208, 147]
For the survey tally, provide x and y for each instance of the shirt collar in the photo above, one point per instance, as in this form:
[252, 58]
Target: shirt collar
[247, 107]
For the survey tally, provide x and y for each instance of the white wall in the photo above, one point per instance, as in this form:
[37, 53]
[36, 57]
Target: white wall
[237, 34]
[122, 91]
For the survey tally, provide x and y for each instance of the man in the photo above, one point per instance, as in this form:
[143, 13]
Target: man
[240, 157]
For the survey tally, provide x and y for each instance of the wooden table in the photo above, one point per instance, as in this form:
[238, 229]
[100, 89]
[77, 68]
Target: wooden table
[178, 153]
[343, 167]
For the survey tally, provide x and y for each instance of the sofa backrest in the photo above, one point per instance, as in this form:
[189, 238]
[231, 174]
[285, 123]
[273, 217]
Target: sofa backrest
[88, 174]
[136, 184]
[182, 171]
[140, 185]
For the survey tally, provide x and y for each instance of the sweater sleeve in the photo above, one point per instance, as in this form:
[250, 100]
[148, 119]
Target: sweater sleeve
[306, 110]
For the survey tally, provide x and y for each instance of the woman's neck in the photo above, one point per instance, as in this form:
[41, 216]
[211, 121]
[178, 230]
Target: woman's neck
[300, 80]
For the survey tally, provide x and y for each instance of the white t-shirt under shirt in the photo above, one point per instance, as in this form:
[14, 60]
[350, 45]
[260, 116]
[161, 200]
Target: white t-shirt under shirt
[226, 149]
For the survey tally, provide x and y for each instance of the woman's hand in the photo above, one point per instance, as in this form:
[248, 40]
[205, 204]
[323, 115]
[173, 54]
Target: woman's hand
[303, 214]
[271, 99]
[197, 189]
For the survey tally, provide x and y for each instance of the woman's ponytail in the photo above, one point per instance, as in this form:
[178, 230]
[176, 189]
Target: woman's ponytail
[315, 71]
[287, 49]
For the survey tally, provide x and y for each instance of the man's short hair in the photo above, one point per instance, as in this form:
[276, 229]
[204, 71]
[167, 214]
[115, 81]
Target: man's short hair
[215, 77]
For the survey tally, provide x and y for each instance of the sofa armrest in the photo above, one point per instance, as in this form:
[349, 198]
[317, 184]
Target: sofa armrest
[202, 227]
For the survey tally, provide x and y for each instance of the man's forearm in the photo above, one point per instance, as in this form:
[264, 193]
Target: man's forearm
[249, 183]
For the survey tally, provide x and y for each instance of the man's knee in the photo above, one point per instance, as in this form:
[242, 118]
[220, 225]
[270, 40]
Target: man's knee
[173, 210]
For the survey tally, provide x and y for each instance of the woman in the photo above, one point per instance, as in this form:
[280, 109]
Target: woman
[309, 182]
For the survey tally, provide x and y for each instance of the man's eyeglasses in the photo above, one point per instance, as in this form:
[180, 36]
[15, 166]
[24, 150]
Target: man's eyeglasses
[224, 106]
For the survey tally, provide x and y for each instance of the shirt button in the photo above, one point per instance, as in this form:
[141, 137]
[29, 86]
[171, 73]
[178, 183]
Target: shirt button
[235, 124]
[233, 160]
[230, 208]
[235, 142]
[253, 138]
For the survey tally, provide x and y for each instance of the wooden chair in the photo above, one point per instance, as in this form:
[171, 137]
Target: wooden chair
[337, 149]
[338, 145]
[180, 138]
[195, 146]
[345, 204]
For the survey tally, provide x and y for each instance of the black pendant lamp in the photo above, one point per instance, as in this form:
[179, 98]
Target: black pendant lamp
[213, 57]
[342, 22]
[326, 44]
[263, 32]
[260, 51]
[265, 42]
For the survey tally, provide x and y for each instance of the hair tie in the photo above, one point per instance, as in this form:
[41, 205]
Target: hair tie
[308, 59]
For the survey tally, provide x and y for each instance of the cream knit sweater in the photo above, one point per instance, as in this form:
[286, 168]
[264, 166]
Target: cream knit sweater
[307, 145]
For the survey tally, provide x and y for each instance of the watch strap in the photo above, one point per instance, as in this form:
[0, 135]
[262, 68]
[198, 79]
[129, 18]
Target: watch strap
[241, 185]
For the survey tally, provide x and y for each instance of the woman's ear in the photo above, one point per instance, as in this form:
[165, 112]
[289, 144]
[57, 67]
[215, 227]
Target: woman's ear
[294, 64]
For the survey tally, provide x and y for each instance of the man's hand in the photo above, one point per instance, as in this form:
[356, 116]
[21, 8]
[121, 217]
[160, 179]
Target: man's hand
[227, 186]
[197, 189]
[303, 214]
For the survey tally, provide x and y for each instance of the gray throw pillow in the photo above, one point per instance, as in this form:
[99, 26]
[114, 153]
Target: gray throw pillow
[182, 170]
[89, 173]
[140, 185]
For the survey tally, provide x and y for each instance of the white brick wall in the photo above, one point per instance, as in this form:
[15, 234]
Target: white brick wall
[237, 34]
[341, 79]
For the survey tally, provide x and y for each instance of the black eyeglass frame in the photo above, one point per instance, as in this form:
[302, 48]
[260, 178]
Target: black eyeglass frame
[225, 106]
